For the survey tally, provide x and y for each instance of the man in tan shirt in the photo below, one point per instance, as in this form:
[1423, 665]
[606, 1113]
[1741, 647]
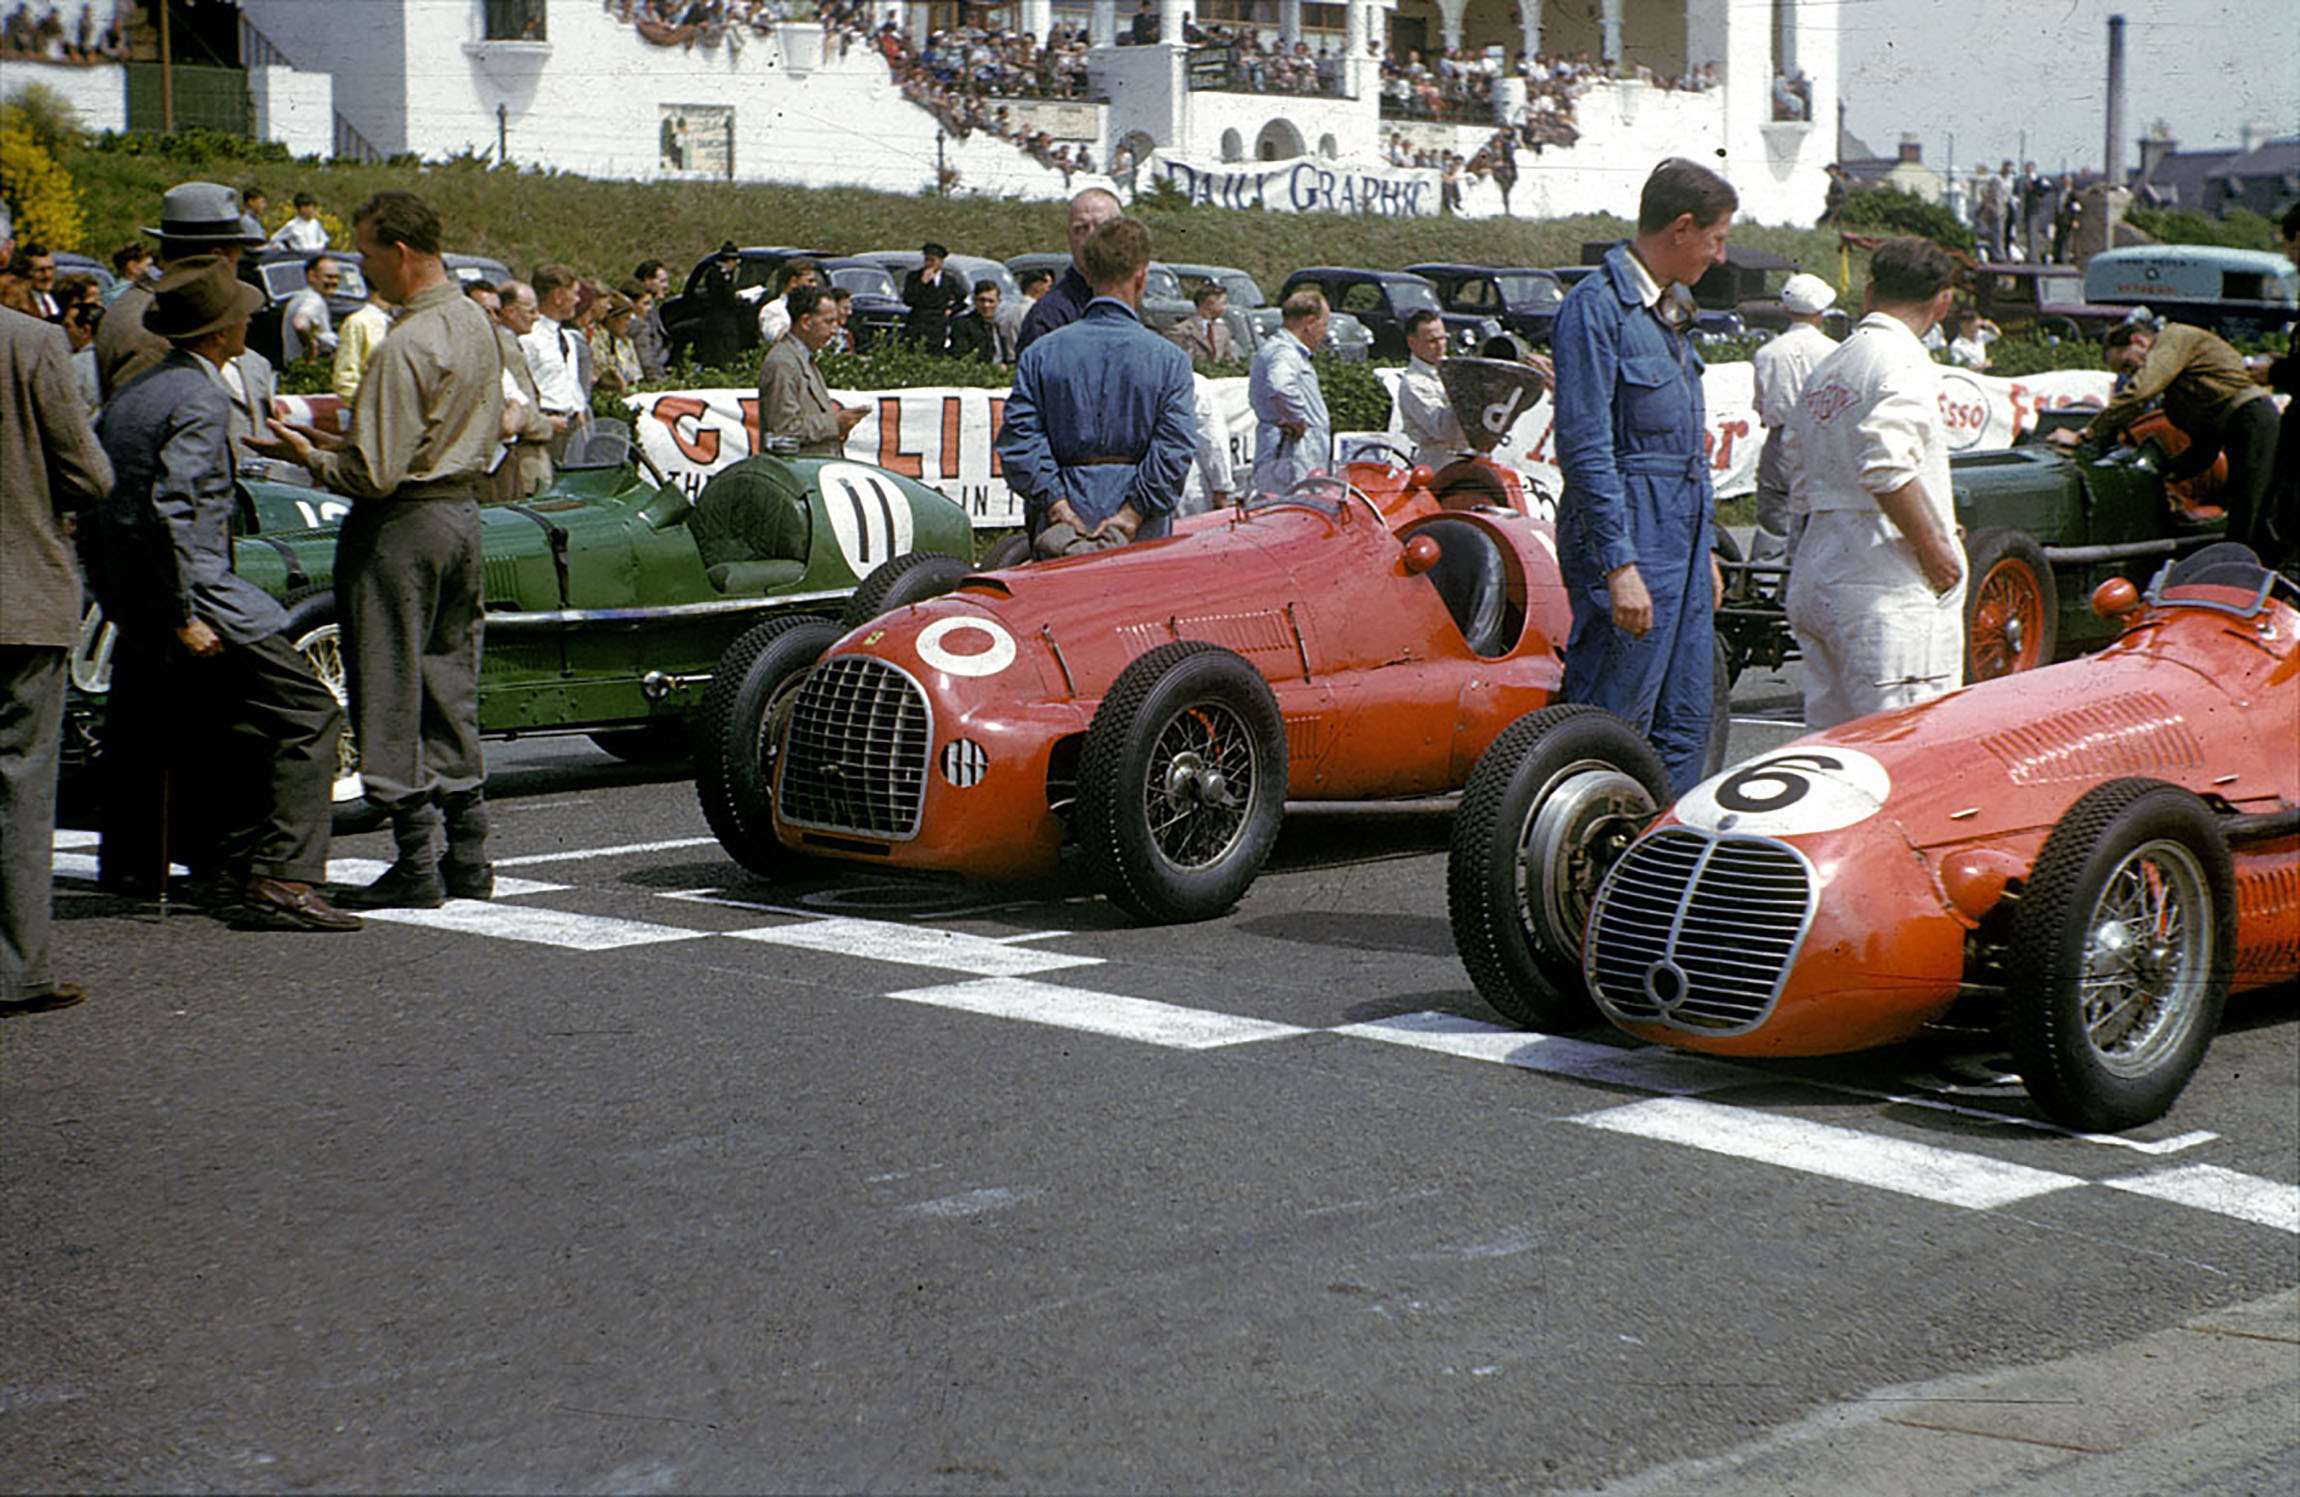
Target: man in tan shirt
[2209, 395]
[426, 429]
[793, 400]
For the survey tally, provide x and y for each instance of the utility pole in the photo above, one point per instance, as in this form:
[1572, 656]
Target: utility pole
[167, 72]
[941, 176]
[502, 135]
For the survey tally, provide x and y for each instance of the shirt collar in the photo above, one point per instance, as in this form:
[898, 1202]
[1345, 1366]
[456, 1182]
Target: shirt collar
[1640, 279]
[1113, 302]
[1416, 364]
[207, 364]
[1890, 325]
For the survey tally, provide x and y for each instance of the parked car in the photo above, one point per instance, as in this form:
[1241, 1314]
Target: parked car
[1346, 337]
[2043, 528]
[754, 278]
[1383, 299]
[2237, 293]
[878, 308]
[279, 274]
[1522, 299]
[2043, 299]
[1165, 300]
[70, 263]
[469, 268]
[2094, 857]
[969, 268]
[1148, 710]
[610, 598]
[1731, 300]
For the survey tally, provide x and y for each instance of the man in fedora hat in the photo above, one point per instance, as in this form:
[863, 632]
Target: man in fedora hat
[426, 432]
[161, 559]
[196, 218]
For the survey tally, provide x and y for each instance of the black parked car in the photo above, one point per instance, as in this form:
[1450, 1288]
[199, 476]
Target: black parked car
[754, 282]
[1525, 300]
[878, 307]
[1384, 299]
[279, 274]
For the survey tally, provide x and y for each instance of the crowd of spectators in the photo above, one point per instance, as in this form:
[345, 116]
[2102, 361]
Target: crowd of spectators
[45, 37]
[1458, 85]
[1244, 61]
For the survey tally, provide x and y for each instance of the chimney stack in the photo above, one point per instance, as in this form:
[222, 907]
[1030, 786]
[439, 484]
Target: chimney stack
[1912, 148]
[2112, 159]
[2154, 147]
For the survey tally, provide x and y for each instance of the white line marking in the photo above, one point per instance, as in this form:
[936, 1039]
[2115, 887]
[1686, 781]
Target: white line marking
[1972, 1181]
[1143, 1019]
[2208, 1187]
[351, 871]
[578, 854]
[540, 927]
[68, 841]
[1030, 935]
[914, 946]
[1649, 1068]
[970, 1202]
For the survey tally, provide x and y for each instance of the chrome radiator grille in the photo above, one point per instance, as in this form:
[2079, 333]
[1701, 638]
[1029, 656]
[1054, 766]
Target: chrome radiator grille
[855, 756]
[1698, 931]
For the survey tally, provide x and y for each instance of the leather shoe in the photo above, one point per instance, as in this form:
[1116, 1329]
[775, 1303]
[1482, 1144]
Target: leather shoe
[281, 904]
[402, 886]
[59, 995]
[467, 880]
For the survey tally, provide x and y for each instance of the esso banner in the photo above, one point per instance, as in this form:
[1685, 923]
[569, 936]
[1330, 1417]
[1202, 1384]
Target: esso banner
[1980, 412]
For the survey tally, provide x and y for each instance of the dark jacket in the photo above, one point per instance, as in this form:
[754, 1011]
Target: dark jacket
[1064, 303]
[50, 466]
[972, 336]
[932, 305]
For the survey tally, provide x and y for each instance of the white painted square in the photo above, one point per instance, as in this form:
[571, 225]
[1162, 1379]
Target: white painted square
[1143, 1019]
[1648, 1068]
[2208, 1187]
[915, 946]
[567, 929]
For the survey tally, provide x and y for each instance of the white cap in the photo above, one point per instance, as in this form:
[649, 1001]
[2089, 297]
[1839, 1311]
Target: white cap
[1807, 294]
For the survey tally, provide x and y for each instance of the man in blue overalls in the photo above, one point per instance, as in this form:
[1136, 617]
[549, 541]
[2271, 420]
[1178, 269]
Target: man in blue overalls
[1634, 522]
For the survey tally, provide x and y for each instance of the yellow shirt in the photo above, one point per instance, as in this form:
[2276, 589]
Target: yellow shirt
[356, 341]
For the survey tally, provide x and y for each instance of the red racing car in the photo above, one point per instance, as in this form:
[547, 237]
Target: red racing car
[1150, 710]
[2102, 850]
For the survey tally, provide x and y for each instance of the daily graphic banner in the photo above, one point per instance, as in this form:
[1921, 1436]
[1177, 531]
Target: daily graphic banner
[944, 436]
[1305, 184]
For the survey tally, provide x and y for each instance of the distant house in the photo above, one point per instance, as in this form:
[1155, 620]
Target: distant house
[2264, 179]
[2261, 174]
[1906, 171]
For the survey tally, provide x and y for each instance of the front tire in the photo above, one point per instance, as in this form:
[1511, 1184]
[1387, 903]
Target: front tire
[1551, 806]
[2121, 952]
[313, 629]
[913, 577]
[2012, 608]
[1182, 783]
[738, 734]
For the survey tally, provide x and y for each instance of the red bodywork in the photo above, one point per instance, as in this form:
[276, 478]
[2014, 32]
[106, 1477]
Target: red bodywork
[1380, 693]
[2190, 695]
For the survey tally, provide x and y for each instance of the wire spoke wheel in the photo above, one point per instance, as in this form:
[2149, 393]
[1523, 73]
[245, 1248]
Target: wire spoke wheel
[2147, 953]
[2008, 623]
[1198, 784]
[322, 650]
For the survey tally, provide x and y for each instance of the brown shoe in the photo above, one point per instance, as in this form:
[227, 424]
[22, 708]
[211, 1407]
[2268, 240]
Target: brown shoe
[59, 995]
[281, 904]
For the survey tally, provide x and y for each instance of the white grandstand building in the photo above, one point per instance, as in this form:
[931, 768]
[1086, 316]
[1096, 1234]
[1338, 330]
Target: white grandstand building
[602, 88]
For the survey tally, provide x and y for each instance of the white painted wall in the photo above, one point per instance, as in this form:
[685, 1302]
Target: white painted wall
[1354, 124]
[295, 108]
[97, 93]
[364, 46]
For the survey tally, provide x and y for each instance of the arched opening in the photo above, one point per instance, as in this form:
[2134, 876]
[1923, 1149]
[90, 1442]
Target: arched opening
[1278, 141]
[1328, 147]
[1233, 146]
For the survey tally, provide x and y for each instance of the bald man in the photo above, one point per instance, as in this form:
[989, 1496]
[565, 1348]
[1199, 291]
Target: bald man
[1066, 303]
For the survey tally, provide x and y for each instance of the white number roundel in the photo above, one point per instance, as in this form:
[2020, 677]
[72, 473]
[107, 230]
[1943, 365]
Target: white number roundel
[1790, 792]
[869, 514]
[984, 649]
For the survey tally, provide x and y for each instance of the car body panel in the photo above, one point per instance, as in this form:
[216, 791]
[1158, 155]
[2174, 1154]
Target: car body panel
[755, 273]
[2239, 293]
[1383, 299]
[1892, 813]
[2022, 298]
[878, 305]
[1380, 691]
[1523, 298]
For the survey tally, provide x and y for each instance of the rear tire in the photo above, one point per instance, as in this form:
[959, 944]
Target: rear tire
[312, 628]
[1011, 552]
[910, 578]
[2012, 608]
[1552, 804]
[1167, 832]
[2122, 948]
[1720, 708]
[739, 733]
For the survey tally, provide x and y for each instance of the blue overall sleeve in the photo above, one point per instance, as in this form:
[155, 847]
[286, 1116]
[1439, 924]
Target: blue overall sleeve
[1173, 441]
[1023, 449]
[1586, 347]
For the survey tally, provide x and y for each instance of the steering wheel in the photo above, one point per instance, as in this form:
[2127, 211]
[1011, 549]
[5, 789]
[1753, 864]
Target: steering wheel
[1395, 458]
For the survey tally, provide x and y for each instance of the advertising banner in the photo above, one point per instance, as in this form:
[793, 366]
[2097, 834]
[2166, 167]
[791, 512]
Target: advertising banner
[1305, 184]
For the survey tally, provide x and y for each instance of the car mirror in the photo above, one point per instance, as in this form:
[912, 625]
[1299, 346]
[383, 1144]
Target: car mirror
[2115, 598]
[1422, 553]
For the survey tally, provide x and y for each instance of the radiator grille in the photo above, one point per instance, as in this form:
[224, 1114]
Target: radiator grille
[855, 756]
[1698, 931]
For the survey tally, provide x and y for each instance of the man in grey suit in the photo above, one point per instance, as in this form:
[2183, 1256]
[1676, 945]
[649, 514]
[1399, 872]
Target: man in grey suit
[50, 466]
[161, 559]
[196, 218]
[793, 400]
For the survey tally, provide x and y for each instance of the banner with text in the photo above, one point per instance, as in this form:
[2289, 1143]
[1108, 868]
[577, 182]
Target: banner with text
[1305, 184]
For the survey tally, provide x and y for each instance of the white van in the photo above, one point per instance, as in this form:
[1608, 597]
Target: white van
[2237, 293]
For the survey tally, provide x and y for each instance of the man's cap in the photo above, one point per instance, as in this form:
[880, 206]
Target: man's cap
[197, 296]
[933, 251]
[1807, 293]
[727, 250]
[203, 213]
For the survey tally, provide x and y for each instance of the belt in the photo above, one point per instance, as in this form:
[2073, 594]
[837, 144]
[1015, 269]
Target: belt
[1103, 460]
[1663, 464]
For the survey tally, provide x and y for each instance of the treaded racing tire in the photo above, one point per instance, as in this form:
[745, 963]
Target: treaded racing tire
[738, 731]
[2012, 606]
[2072, 947]
[1164, 835]
[1720, 708]
[1569, 788]
[910, 578]
[1011, 552]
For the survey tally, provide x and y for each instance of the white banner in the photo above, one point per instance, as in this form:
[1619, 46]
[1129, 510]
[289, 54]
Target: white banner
[1982, 413]
[1305, 184]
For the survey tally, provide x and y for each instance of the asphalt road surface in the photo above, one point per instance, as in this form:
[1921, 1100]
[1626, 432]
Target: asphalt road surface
[652, 1177]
